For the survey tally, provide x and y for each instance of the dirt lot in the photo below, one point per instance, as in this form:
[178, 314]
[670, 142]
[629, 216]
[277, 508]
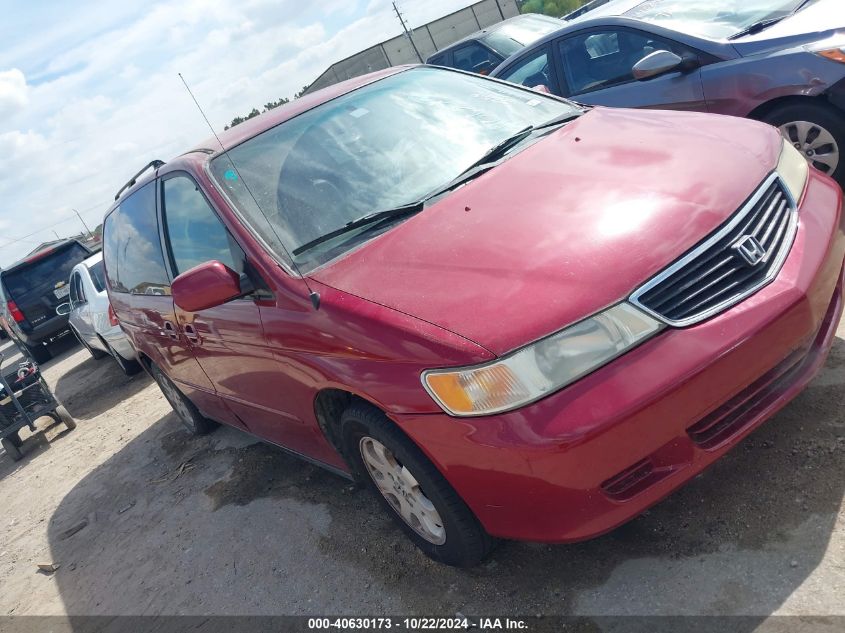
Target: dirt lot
[144, 519]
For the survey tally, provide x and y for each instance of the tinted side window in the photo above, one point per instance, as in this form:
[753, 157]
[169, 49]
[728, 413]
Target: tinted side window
[475, 58]
[437, 60]
[80, 289]
[597, 60]
[531, 72]
[74, 288]
[194, 231]
[132, 248]
[97, 276]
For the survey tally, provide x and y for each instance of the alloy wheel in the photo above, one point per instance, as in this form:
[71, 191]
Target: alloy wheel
[402, 491]
[816, 143]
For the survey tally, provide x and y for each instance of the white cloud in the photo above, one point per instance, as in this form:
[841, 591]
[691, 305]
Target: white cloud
[100, 105]
[13, 92]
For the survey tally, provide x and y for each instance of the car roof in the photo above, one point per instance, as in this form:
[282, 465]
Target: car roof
[524, 17]
[94, 259]
[614, 7]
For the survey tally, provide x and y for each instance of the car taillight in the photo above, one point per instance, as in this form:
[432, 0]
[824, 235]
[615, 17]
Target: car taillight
[15, 311]
[112, 316]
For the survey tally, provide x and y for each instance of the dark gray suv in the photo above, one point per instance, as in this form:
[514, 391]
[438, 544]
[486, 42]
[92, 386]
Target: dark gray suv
[32, 289]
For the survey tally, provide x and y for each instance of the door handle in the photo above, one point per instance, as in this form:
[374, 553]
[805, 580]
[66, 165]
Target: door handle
[170, 330]
[191, 333]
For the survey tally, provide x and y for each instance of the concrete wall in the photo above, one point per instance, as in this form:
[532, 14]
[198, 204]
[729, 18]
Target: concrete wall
[428, 38]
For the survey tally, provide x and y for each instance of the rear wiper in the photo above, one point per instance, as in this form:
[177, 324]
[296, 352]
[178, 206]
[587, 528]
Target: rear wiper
[369, 220]
[757, 27]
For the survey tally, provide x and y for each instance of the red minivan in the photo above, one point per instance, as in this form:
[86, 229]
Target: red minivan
[512, 316]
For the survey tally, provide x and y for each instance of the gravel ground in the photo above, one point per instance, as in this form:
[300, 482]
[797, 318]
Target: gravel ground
[144, 519]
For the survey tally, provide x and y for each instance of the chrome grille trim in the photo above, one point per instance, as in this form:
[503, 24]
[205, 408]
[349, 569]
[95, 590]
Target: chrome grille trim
[782, 229]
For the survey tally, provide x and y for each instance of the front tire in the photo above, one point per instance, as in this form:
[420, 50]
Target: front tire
[187, 412]
[817, 131]
[414, 492]
[129, 367]
[96, 354]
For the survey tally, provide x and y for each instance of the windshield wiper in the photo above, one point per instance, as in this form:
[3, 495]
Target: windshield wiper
[370, 220]
[499, 150]
[487, 161]
[757, 27]
[560, 119]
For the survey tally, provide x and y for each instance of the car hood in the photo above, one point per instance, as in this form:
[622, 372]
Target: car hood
[819, 21]
[565, 228]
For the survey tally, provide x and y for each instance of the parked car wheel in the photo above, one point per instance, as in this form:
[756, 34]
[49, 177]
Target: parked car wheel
[96, 354]
[40, 353]
[190, 416]
[816, 131]
[129, 367]
[12, 449]
[413, 490]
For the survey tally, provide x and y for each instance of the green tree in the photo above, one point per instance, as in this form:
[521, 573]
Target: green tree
[270, 105]
[556, 8]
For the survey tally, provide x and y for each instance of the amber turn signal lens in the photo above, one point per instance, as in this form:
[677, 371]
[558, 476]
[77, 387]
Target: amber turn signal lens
[834, 54]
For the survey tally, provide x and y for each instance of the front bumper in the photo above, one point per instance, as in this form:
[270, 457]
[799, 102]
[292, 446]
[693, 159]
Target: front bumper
[596, 454]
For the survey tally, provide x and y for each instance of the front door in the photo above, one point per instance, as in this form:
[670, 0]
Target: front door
[140, 296]
[597, 68]
[228, 340]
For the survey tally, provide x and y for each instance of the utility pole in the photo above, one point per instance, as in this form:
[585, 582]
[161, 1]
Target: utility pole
[407, 32]
[83, 222]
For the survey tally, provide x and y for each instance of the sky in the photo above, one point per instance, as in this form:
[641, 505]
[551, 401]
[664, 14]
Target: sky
[89, 91]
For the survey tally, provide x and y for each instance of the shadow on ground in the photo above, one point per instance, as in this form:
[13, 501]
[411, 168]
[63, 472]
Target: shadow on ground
[105, 385]
[221, 524]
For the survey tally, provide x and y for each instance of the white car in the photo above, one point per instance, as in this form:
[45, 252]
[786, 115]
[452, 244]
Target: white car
[92, 319]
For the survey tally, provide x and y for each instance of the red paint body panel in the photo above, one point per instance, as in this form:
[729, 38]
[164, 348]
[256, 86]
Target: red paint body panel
[557, 232]
[536, 473]
[565, 228]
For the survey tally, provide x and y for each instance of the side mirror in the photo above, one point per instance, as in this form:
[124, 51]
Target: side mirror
[656, 63]
[206, 286]
[63, 309]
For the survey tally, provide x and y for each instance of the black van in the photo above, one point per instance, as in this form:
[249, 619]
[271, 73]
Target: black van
[32, 289]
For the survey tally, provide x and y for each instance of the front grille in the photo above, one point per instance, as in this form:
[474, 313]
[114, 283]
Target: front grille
[736, 261]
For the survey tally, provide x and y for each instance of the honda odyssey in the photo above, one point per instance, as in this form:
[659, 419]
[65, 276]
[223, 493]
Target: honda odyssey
[510, 316]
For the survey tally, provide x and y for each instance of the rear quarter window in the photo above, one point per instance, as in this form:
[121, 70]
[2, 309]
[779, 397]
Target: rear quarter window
[132, 248]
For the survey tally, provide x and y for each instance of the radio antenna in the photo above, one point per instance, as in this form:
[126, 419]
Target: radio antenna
[314, 296]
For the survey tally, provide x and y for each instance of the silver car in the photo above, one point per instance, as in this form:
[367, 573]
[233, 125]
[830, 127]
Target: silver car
[91, 318]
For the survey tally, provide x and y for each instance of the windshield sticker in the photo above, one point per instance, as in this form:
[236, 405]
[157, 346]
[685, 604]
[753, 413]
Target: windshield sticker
[533, 102]
[359, 112]
[230, 174]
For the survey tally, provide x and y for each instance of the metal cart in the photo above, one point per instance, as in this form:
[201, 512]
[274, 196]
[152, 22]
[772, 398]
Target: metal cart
[25, 397]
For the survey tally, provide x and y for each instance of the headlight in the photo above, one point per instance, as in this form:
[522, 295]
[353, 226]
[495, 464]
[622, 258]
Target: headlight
[793, 170]
[834, 54]
[542, 367]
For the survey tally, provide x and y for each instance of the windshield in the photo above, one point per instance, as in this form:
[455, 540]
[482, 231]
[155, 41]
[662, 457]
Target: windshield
[713, 19]
[512, 37]
[382, 146]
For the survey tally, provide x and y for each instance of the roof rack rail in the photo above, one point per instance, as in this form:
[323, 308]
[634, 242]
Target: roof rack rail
[155, 164]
